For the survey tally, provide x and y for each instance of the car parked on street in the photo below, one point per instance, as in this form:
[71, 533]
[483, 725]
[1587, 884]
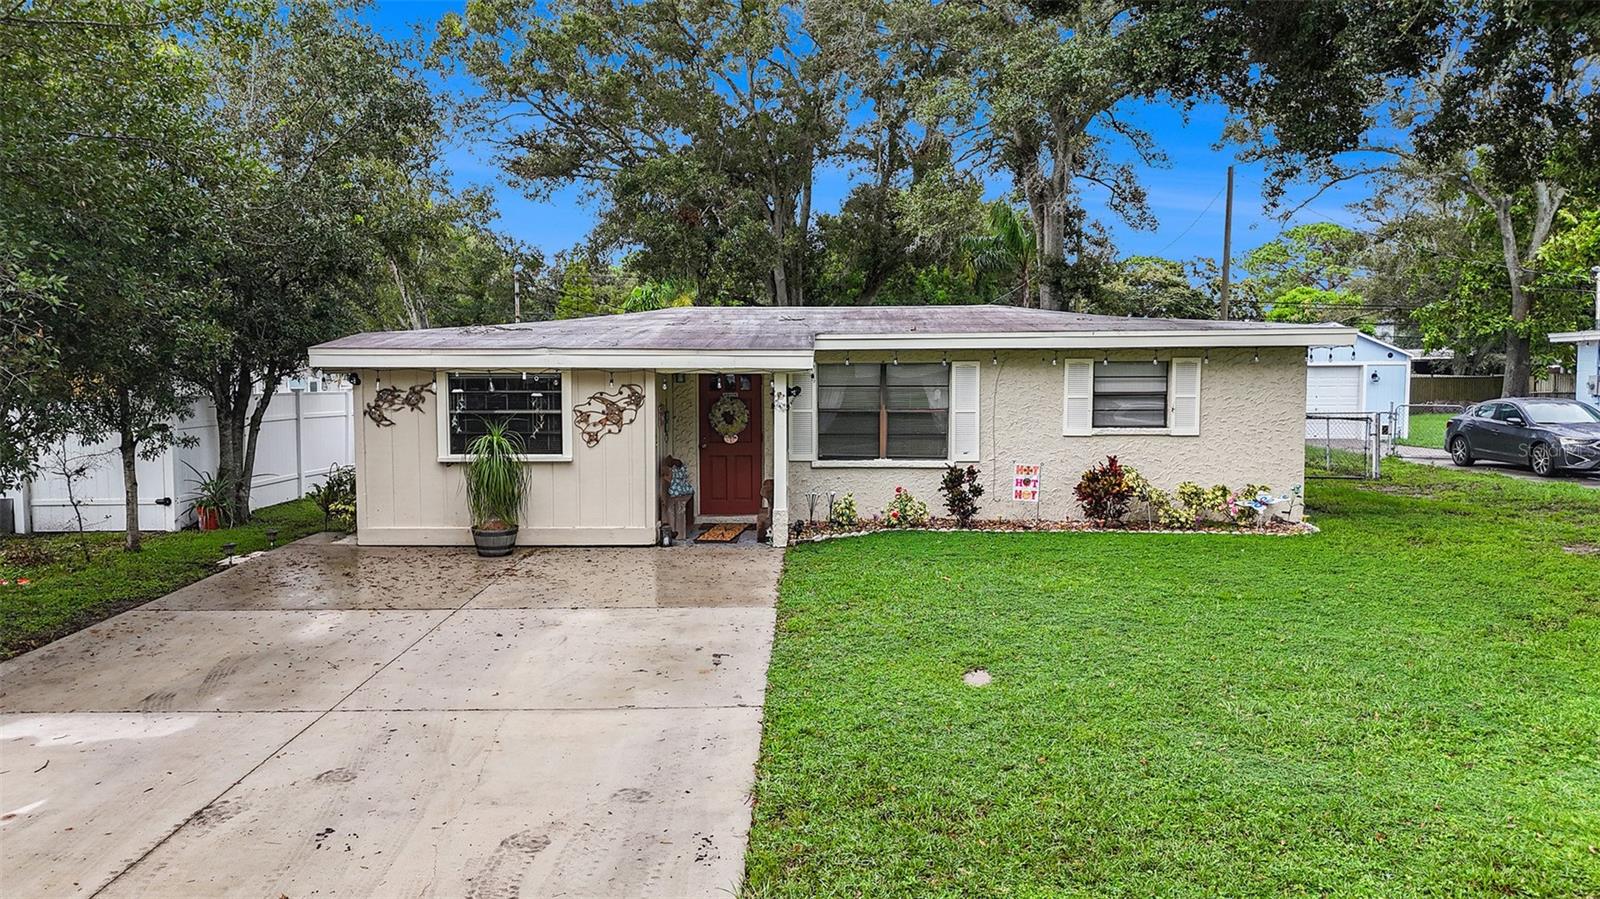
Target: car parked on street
[1547, 435]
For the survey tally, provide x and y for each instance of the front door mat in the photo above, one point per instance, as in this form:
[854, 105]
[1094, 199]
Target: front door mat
[721, 533]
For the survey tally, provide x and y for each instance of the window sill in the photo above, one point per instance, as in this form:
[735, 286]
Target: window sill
[1124, 432]
[880, 463]
[455, 460]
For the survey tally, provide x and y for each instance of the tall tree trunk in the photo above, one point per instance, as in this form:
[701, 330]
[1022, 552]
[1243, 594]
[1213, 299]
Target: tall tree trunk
[1052, 252]
[230, 396]
[1519, 347]
[129, 447]
[247, 470]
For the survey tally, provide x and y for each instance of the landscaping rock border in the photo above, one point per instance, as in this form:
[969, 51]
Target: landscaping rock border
[1005, 526]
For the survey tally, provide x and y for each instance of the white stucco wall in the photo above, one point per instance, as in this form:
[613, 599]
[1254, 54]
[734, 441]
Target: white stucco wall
[606, 494]
[1251, 424]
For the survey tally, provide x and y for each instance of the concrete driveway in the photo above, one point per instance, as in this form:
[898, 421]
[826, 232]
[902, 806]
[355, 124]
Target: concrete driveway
[340, 721]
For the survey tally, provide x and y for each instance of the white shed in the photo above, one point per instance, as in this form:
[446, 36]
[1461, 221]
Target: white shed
[1372, 376]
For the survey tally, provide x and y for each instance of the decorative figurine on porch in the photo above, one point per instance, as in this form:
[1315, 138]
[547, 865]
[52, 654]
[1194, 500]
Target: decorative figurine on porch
[729, 417]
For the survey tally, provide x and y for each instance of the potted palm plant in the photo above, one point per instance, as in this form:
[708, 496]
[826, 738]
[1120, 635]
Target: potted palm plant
[496, 480]
[213, 500]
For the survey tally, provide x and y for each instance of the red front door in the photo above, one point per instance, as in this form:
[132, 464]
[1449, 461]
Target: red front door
[730, 473]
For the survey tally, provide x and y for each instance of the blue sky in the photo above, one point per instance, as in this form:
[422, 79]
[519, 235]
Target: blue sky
[1186, 197]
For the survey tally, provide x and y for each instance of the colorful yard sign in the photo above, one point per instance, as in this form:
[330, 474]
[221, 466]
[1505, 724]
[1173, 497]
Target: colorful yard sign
[1025, 483]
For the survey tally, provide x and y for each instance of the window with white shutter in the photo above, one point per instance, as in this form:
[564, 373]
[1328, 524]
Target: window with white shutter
[1185, 394]
[803, 419]
[1078, 406]
[964, 416]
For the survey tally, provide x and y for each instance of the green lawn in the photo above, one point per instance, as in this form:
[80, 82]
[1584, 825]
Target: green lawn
[1406, 704]
[65, 594]
[1427, 429]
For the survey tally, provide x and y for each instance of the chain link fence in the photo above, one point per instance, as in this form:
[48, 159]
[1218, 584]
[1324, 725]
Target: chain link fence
[1347, 444]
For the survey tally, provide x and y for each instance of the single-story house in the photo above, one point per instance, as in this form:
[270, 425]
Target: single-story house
[1371, 375]
[1588, 369]
[819, 400]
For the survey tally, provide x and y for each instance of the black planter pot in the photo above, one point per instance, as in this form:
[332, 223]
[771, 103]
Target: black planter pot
[492, 543]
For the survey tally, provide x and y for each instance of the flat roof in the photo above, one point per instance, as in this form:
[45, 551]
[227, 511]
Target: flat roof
[806, 328]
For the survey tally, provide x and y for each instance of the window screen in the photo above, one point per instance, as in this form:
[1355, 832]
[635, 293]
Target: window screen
[528, 403]
[883, 411]
[1130, 395]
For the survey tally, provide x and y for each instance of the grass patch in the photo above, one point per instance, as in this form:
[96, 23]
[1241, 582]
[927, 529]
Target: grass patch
[1427, 429]
[1402, 705]
[65, 594]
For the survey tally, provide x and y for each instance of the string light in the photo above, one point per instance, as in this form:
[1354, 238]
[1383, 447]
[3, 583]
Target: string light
[945, 361]
[1257, 357]
[994, 359]
[897, 357]
[1055, 358]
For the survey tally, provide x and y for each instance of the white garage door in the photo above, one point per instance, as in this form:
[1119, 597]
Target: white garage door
[1333, 388]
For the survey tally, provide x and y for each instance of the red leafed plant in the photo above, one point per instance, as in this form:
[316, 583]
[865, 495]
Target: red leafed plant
[1104, 491]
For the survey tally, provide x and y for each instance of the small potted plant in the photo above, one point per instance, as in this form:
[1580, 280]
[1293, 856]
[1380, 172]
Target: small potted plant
[496, 480]
[213, 497]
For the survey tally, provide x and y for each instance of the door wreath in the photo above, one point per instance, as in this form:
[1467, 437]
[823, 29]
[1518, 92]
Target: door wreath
[729, 417]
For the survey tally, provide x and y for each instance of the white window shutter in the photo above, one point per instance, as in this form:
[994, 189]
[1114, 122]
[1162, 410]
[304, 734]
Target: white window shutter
[1077, 410]
[1185, 397]
[803, 418]
[964, 418]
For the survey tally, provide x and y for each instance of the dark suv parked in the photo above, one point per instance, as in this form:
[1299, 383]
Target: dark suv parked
[1546, 435]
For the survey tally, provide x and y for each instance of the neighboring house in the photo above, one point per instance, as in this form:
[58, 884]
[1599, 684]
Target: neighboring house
[822, 399]
[1372, 375]
[307, 428]
[1588, 368]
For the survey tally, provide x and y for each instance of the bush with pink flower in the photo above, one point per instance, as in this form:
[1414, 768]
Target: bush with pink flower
[905, 511]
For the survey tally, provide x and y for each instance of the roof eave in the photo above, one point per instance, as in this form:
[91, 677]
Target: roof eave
[331, 357]
[1575, 336]
[1315, 335]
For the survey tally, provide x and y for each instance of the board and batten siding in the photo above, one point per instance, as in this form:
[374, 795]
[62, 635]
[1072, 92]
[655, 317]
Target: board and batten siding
[1249, 430]
[605, 495]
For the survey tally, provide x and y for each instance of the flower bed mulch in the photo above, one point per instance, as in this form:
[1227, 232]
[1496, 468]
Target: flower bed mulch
[1275, 528]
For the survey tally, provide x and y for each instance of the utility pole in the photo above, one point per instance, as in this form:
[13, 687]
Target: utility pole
[516, 292]
[1596, 272]
[1227, 246]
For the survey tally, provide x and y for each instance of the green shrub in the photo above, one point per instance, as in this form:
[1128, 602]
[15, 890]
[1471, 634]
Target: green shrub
[336, 495]
[905, 510]
[843, 513]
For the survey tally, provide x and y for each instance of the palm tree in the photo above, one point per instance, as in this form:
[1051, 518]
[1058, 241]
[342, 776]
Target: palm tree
[1008, 250]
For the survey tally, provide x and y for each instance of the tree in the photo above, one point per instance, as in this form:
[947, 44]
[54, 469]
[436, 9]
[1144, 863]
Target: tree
[1308, 270]
[1152, 287]
[1036, 93]
[332, 123]
[698, 126]
[106, 228]
[577, 298]
[1506, 113]
[444, 265]
[1008, 251]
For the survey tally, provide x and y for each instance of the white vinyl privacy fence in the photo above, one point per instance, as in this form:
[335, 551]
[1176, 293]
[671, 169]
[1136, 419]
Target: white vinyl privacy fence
[302, 435]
